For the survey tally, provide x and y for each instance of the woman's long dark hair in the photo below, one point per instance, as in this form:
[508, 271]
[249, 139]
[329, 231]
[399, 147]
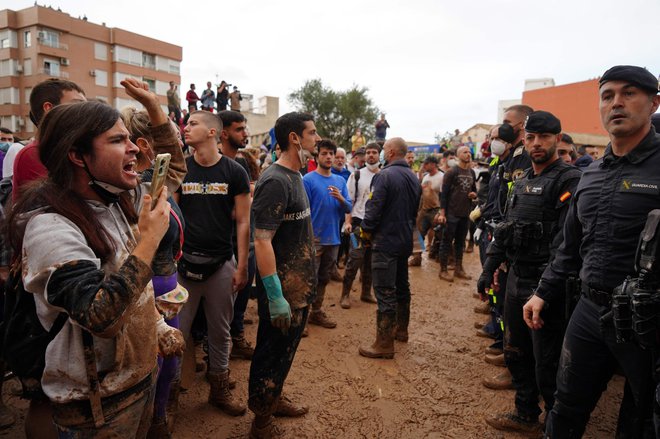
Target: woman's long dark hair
[63, 129]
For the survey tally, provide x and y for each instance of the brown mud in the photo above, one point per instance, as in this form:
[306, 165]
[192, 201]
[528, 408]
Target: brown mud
[431, 389]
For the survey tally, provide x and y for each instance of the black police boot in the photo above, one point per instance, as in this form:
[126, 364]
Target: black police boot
[383, 347]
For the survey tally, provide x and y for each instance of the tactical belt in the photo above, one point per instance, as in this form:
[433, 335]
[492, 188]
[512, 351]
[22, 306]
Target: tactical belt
[599, 297]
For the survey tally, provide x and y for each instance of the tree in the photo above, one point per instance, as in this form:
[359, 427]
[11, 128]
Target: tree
[337, 113]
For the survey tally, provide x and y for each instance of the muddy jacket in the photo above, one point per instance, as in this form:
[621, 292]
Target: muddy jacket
[530, 232]
[392, 208]
[114, 301]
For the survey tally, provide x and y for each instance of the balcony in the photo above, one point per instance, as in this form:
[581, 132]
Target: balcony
[53, 44]
[53, 73]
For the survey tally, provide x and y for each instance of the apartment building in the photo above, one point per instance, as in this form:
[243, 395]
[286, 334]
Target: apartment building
[39, 42]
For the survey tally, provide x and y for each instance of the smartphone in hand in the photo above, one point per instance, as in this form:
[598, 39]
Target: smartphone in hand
[161, 167]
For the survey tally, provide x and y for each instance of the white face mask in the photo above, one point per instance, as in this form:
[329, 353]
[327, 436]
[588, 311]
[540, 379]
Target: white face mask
[451, 163]
[497, 147]
[372, 167]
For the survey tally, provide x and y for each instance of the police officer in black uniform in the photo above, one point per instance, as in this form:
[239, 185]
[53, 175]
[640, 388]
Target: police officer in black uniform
[526, 239]
[602, 229]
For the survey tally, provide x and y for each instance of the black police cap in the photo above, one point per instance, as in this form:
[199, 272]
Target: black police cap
[542, 122]
[506, 133]
[634, 75]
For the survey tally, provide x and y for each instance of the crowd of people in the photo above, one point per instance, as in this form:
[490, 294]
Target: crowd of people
[112, 280]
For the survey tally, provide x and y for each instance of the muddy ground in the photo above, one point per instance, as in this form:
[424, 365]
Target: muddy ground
[431, 389]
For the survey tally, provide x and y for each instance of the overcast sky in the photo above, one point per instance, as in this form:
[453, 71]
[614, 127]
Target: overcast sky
[431, 65]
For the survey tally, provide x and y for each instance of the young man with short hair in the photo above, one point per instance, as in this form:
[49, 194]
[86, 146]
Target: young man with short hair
[286, 287]
[330, 204]
[214, 194]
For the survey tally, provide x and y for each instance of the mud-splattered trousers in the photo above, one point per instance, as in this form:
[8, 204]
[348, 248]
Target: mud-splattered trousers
[531, 356]
[359, 258]
[326, 257]
[273, 356]
[390, 278]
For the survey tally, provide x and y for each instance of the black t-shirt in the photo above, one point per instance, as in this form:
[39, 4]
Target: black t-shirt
[207, 202]
[456, 186]
[281, 204]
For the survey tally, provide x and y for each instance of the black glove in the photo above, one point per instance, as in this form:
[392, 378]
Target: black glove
[484, 282]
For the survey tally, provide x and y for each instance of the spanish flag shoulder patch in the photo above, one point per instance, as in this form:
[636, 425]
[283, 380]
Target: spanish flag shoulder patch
[565, 196]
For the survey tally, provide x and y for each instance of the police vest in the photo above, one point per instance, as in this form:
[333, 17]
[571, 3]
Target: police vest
[532, 214]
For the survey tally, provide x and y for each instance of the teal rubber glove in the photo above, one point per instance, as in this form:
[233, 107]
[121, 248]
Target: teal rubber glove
[280, 311]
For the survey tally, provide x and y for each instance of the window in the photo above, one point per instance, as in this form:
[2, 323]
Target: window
[49, 38]
[101, 51]
[27, 38]
[7, 67]
[8, 122]
[9, 96]
[27, 66]
[151, 83]
[51, 67]
[148, 61]
[101, 78]
[174, 67]
[128, 56]
[122, 102]
[27, 93]
[8, 39]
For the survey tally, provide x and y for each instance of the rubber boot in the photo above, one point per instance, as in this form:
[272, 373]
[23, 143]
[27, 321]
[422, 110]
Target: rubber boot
[345, 301]
[383, 347]
[221, 397]
[366, 295]
[459, 272]
[402, 320]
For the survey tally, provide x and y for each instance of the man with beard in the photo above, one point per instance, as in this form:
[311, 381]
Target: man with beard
[329, 202]
[233, 136]
[527, 239]
[359, 257]
[458, 190]
[609, 210]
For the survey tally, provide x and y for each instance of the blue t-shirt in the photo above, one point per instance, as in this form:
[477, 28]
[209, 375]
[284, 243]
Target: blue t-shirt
[327, 212]
[344, 173]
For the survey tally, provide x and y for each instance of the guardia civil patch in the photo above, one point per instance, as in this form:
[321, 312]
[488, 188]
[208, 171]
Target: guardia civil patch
[533, 190]
[639, 187]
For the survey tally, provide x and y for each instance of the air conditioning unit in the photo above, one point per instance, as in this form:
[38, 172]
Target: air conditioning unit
[41, 35]
[21, 122]
[64, 61]
[19, 68]
[92, 73]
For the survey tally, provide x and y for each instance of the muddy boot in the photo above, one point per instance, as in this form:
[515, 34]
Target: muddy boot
[366, 295]
[433, 252]
[221, 397]
[444, 273]
[320, 318]
[263, 428]
[502, 381]
[383, 347]
[460, 273]
[415, 260]
[335, 275]
[241, 348]
[287, 409]
[470, 247]
[402, 320]
[495, 360]
[159, 430]
[345, 301]
[514, 422]
[482, 308]
[451, 262]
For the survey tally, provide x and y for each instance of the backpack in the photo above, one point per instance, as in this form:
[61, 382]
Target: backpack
[23, 339]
